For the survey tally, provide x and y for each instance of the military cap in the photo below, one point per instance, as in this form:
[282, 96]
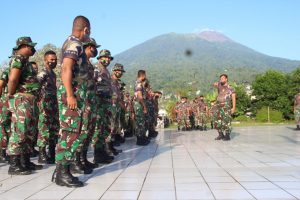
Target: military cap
[105, 53]
[118, 67]
[24, 41]
[92, 42]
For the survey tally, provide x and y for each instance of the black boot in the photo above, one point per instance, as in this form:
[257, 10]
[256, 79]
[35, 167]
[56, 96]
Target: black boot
[63, 177]
[142, 141]
[34, 153]
[85, 162]
[3, 156]
[113, 149]
[100, 156]
[153, 134]
[51, 152]
[220, 137]
[78, 167]
[16, 168]
[227, 136]
[42, 156]
[25, 161]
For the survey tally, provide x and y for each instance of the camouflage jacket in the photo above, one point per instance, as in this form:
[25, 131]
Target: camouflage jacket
[28, 82]
[103, 81]
[47, 80]
[139, 87]
[224, 93]
[72, 48]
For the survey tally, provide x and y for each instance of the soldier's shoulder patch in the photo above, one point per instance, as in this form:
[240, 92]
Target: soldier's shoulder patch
[16, 62]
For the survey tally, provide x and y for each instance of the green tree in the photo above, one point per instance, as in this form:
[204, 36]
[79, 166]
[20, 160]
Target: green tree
[271, 90]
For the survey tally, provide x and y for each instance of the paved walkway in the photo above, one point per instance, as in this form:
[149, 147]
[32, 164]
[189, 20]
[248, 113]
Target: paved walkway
[258, 163]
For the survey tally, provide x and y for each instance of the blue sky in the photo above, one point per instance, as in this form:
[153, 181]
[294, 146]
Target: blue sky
[271, 27]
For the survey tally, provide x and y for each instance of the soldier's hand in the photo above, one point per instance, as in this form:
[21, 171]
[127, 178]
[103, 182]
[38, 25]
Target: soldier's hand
[145, 110]
[232, 110]
[72, 102]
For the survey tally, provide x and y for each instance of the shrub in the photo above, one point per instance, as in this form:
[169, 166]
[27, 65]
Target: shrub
[275, 115]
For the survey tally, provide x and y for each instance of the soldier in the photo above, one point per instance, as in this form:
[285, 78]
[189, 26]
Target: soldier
[183, 113]
[297, 109]
[102, 135]
[5, 116]
[151, 113]
[48, 109]
[129, 116]
[22, 90]
[117, 106]
[203, 113]
[81, 164]
[212, 111]
[140, 108]
[71, 95]
[225, 107]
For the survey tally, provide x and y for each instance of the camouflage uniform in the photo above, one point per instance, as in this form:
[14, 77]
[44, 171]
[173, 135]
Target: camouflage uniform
[71, 120]
[5, 114]
[297, 109]
[48, 108]
[22, 107]
[222, 116]
[183, 115]
[104, 114]
[129, 113]
[202, 114]
[140, 122]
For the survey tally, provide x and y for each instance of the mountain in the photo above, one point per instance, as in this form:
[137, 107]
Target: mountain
[174, 61]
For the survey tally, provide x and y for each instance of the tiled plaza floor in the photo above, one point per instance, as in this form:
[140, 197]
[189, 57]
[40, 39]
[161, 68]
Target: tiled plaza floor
[258, 163]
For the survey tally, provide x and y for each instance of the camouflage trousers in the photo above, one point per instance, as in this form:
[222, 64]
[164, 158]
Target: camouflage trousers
[202, 119]
[297, 115]
[48, 123]
[102, 133]
[183, 120]
[89, 120]
[5, 122]
[70, 121]
[222, 118]
[140, 120]
[150, 118]
[22, 132]
[115, 120]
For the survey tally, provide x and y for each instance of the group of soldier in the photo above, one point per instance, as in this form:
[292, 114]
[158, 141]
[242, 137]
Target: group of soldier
[88, 106]
[195, 114]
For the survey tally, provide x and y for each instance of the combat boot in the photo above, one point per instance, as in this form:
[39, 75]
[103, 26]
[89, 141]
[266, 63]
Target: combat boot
[220, 137]
[42, 155]
[153, 134]
[114, 150]
[64, 177]
[142, 141]
[16, 168]
[3, 156]
[78, 167]
[25, 162]
[227, 136]
[85, 162]
[51, 152]
[100, 157]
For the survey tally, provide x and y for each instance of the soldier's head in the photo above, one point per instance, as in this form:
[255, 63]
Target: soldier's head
[223, 79]
[118, 70]
[50, 59]
[35, 66]
[141, 75]
[81, 28]
[158, 94]
[105, 57]
[24, 46]
[90, 48]
[183, 99]
[201, 98]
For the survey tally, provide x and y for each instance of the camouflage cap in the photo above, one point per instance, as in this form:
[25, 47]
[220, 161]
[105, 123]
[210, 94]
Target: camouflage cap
[105, 53]
[92, 42]
[24, 41]
[118, 67]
